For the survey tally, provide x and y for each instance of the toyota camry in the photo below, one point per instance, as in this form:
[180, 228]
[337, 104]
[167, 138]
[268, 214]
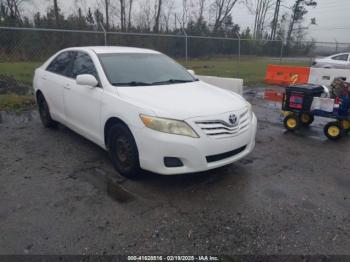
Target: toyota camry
[145, 109]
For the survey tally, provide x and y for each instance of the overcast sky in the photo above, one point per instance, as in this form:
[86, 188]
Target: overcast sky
[333, 16]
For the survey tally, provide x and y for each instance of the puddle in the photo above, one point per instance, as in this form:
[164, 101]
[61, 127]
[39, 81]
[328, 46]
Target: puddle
[104, 182]
[273, 95]
[117, 192]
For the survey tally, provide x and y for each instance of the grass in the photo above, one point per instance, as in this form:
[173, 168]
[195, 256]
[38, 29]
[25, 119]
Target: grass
[251, 69]
[22, 71]
[13, 102]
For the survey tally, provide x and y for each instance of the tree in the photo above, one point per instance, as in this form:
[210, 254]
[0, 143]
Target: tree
[169, 7]
[158, 10]
[56, 10]
[259, 8]
[99, 19]
[90, 17]
[130, 12]
[282, 27]
[10, 12]
[107, 3]
[274, 23]
[201, 5]
[222, 9]
[298, 13]
[122, 15]
[144, 17]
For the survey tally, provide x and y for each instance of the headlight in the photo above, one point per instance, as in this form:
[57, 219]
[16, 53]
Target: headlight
[168, 126]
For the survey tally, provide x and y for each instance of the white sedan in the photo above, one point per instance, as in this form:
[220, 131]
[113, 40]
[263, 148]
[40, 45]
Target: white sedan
[339, 61]
[145, 109]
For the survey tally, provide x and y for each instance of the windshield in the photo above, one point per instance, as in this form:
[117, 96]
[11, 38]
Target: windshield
[140, 69]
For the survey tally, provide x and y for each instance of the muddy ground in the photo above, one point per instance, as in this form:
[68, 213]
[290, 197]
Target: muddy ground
[59, 194]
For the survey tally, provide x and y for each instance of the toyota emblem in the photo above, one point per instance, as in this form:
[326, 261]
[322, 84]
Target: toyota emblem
[232, 119]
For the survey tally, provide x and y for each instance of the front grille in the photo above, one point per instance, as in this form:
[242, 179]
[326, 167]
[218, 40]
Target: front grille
[222, 156]
[220, 129]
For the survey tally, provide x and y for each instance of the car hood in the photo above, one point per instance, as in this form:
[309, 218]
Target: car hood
[183, 101]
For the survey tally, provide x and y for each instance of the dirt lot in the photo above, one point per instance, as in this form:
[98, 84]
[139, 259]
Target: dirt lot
[59, 194]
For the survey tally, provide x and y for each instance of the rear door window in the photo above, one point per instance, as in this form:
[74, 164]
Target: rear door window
[343, 57]
[62, 63]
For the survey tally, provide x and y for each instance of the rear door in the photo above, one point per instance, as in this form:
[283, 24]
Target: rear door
[340, 61]
[83, 103]
[54, 80]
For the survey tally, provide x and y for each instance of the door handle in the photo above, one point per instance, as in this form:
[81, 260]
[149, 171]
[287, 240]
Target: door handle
[67, 86]
[43, 78]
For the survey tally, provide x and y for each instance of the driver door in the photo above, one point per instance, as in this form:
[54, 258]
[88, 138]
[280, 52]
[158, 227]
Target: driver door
[83, 103]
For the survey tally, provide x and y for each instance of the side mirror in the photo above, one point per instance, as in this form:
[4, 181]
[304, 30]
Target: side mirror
[191, 72]
[87, 80]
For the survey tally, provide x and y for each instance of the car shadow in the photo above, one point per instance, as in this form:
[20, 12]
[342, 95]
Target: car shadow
[98, 170]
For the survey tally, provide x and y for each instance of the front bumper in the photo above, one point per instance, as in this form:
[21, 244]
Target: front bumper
[153, 146]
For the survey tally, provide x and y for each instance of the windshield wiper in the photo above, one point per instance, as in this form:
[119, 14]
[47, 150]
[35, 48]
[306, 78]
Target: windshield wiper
[172, 81]
[132, 83]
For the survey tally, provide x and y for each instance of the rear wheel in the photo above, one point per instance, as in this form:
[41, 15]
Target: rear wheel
[334, 130]
[291, 122]
[123, 151]
[346, 125]
[44, 112]
[306, 119]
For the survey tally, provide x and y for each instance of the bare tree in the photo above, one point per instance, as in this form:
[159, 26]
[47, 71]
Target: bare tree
[129, 16]
[122, 15]
[144, 17]
[184, 15]
[56, 11]
[12, 10]
[158, 10]
[168, 11]
[222, 9]
[259, 8]
[275, 20]
[201, 4]
[107, 4]
[299, 11]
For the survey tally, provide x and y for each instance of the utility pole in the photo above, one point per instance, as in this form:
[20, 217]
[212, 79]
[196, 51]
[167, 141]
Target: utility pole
[275, 20]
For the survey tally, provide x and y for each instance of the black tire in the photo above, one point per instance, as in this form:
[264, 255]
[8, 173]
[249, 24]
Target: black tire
[123, 151]
[44, 112]
[346, 125]
[334, 130]
[306, 119]
[291, 122]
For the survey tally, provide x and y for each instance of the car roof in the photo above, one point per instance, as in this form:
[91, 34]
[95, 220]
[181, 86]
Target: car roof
[339, 54]
[114, 49]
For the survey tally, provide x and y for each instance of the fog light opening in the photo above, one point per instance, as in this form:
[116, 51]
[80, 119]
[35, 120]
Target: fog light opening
[172, 162]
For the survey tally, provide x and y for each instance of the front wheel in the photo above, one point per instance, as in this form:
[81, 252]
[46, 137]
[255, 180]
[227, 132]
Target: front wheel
[291, 122]
[123, 151]
[334, 130]
[44, 112]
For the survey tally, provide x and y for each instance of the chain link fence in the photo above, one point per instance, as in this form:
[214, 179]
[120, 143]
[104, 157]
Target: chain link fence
[230, 57]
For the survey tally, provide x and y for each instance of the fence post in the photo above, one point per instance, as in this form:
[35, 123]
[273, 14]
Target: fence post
[186, 37]
[336, 45]
[186, 47]
[104, 32]
[281, 52]
[239, 52]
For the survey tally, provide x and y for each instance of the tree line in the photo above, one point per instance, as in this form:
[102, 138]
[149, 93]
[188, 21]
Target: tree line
[194, 17]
